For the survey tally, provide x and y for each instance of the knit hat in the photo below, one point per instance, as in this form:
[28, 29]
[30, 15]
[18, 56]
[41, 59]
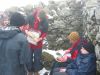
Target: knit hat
[73, 36]
[17, 19]
[89, 47]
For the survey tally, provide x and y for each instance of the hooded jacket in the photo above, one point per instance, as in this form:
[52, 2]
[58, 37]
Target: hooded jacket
[85, 64]
[14, 52]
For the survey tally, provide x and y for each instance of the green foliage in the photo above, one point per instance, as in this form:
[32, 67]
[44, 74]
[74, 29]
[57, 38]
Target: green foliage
[67, 17]
[47, 60]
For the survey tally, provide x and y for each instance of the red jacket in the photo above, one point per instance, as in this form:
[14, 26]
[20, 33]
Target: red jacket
[43, 35]
[36, 23]
[75, 53]
[40, 43]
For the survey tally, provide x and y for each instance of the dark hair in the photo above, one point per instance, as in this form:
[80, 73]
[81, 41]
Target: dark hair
[43, 24]
[89, 47]
[17, 19]
[42, 15]
[30, 19]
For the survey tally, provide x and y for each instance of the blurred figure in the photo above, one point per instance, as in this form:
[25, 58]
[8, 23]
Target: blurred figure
[15, 53]
[74, 39]
[62, 62]
[84, 64]
[4, 19]
[38, 23]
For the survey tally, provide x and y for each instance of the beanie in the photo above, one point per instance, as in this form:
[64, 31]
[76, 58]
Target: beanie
[89, 47]
[17, 19]
[74, 36]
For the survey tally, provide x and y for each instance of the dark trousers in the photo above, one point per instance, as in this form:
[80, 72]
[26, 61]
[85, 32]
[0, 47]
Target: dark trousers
[36, 56]
[56, 64]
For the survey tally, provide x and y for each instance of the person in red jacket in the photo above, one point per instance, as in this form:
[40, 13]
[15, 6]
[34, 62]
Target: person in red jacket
[38, 22]
[76, 41]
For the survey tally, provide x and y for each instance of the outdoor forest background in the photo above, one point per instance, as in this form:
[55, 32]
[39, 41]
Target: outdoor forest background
[66, 16]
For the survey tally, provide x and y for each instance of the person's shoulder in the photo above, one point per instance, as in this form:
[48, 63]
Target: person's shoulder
[92, 55]
[21, 37]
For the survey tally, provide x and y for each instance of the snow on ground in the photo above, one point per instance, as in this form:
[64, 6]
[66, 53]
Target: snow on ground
[43, 71]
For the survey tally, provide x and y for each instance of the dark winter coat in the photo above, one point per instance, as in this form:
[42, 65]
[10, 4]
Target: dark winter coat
[15, 56]
[83, 65]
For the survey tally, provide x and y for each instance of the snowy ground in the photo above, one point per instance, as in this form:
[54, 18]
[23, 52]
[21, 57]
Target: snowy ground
[52, 52]
[43, 71]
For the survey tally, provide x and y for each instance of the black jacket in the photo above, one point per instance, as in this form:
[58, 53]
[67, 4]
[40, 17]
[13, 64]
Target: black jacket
[15, 56]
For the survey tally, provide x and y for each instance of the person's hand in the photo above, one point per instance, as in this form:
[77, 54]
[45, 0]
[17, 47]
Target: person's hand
[58, 59]
[37, 39]
[67, 51]
[62, 59]
[26, 31]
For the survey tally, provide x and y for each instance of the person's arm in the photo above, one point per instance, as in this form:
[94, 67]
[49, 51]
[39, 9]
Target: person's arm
[65, 57]
[25, 55]
[67, 51]
[43, 31]
[62, 59]
[43, 36]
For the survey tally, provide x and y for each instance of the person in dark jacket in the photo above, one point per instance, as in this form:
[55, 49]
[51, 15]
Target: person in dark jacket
[85, 63]
[15, 53]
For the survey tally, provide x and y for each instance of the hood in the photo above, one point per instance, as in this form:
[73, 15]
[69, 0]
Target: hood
[8, 32]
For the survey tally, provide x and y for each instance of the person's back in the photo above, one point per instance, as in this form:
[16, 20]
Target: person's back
[87, 64]
[15, 56]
